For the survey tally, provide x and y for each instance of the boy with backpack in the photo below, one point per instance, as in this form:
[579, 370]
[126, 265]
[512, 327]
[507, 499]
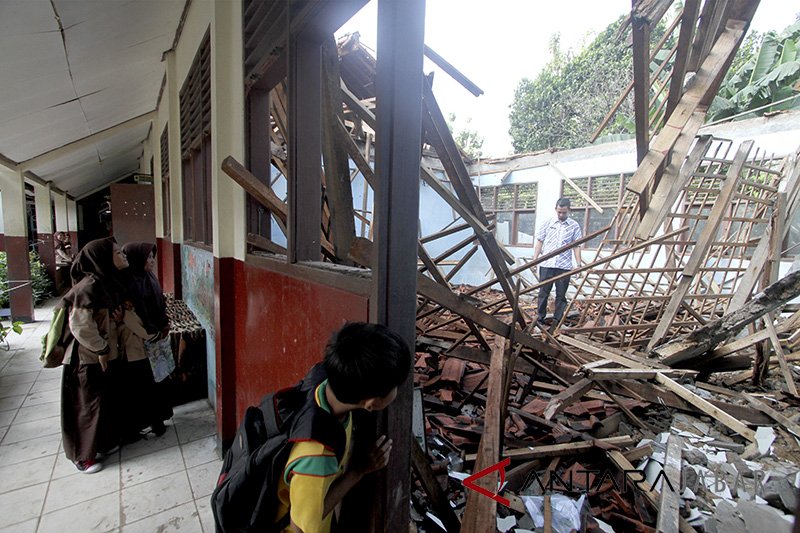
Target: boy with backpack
[290, 463]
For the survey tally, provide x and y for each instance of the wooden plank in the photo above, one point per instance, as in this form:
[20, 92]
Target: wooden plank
[776, 346]
[636, 479]
[641, 87]
[548, 514]
[610, 374]
[609, 352]
[577, 189]
[304, 122]
[338, 188]
[667, 521]
[711, 70]
[700, 250]
[707, 337]
[567, 397]
[265, 244]
[255, 188]
[480, 514]
[560, 450]
[437, 497]
[691, 10]
[443, 64]
[714, 412]
[790, 426]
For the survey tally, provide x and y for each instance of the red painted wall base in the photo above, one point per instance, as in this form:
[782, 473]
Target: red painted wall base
[19, 272]
[270, 329]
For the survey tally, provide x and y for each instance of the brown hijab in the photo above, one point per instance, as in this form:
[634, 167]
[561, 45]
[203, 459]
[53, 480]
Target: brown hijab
[96, 281]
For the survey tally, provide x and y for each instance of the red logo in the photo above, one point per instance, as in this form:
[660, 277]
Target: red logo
[501, 466]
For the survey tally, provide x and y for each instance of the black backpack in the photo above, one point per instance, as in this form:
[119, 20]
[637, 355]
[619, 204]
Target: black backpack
[245, 498]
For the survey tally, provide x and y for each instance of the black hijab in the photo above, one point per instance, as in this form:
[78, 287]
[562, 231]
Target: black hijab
[96, 282]
[144, 290]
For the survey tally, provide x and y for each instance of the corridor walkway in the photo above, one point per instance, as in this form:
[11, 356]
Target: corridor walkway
[160, 484]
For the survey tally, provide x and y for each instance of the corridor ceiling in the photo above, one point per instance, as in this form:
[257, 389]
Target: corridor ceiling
[71, 69]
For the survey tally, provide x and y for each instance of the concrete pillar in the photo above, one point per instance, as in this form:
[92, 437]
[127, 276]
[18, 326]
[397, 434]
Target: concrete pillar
[227, 199]
[12, 185]
[171, 269]
[175, 167]
[72, 224]
[60, 205]
[44, 227]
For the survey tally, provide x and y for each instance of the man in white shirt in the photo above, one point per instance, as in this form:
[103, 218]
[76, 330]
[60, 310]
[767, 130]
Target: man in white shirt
[554, 234]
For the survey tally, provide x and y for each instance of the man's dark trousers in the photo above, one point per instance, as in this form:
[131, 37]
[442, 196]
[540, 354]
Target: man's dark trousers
[546, 273]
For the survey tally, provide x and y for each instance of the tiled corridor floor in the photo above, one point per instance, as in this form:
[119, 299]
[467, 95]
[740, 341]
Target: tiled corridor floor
[161, 484]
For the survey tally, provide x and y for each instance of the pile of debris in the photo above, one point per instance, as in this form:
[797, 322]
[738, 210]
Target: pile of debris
[616, 442]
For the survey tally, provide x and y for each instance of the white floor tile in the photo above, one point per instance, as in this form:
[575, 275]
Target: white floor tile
[153, 497]
[182, 518]
[29, 430]
[98, 514]
[195, 426]
[11, 403]
[38, 398]
[42, 385]
[22, 504]
[150, 445]
[206, 515]
[200, 451]
[29, 449]
[6, 417]
[25, 474]
[147, 467]
[68, 491]
[38, 412]
[28, 377]
[29, 526]
[15, 389]
[203, 479]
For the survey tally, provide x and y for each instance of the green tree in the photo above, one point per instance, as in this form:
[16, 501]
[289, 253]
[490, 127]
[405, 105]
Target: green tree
[467, 139]
[564, 104]
[765, 77]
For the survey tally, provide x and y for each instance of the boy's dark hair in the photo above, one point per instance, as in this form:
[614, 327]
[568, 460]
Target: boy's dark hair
[563, 202]
[365, 361]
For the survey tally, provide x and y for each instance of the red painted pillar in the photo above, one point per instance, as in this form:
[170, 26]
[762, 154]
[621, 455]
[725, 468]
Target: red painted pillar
[16, 244]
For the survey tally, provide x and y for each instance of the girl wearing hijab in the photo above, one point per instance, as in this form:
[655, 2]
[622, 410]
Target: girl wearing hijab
[145, 320]
[89, 409]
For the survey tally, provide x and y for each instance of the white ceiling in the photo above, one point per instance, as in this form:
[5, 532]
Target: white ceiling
[106, 70]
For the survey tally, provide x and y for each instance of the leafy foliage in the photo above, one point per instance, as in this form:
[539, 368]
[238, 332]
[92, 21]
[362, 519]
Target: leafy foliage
[470, 142]
[41, 284]
[765, 76]
[563, 105]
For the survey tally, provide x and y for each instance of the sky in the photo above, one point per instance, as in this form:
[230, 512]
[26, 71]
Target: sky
[496, 44]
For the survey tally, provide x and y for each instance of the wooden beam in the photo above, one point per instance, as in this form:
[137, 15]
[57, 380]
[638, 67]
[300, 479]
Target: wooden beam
[790, 426]
[567, 397]
[437, 497]
[691, 9]
[480, 514]
[255, 188]
[707, 337]
[703, 84]
[334, 155]
[776, 346]
[669, 502]
[577, 189]
[712, 411]
[305, 124]
[641, 86]
[637, 480]
[452, 71]
[560, 450]
[607, 374]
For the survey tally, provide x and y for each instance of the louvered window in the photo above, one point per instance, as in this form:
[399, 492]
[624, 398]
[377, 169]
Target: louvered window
[605, 191]
[195, 110]
[514, 208]
[165, 196]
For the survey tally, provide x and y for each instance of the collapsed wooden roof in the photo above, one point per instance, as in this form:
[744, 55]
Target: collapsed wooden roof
[696, 236]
